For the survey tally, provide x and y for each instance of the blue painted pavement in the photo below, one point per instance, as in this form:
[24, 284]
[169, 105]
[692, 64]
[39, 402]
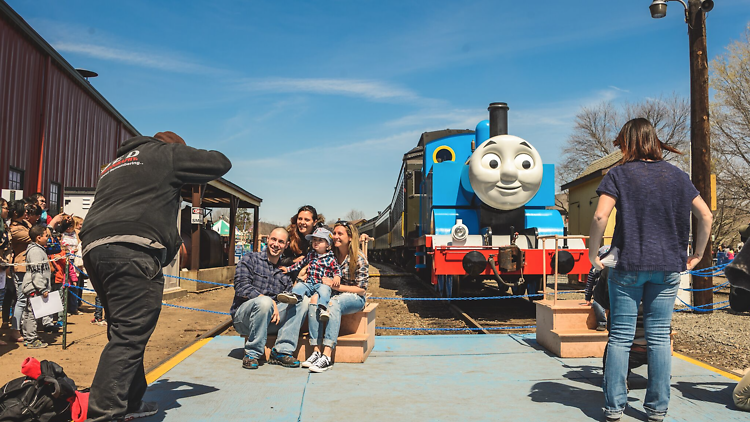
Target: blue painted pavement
[424, 378]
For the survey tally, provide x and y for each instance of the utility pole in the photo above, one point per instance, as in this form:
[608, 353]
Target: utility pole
[700, 136]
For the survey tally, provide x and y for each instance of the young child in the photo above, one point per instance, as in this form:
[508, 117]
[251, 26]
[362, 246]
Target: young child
[322, 264]
[36, 282]
[593, 279]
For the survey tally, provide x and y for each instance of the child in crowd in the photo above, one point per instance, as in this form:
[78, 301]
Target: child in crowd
[36, 282]
[69, 243]
[591, 282]
[322, 264]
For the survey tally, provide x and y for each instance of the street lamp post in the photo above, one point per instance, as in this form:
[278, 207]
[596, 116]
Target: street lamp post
[700, 139]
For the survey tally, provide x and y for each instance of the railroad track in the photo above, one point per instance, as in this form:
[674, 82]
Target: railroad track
[468, 314]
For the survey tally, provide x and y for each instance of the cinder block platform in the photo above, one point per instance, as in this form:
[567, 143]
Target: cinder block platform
[568, 329]
[425, 378]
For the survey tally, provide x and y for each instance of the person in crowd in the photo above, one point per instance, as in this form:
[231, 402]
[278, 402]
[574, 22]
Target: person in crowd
[591, 282]
[36, 282]
[257, 281]
[654, 200]
[301, 224]
[33, 213]
[124, 249]
[19, 238]
[322, 264]
[6, 258]
[730, 255]
[348, 298]
[69, 243]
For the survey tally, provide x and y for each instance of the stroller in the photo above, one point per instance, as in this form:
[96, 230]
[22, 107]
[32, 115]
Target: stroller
[638, 353]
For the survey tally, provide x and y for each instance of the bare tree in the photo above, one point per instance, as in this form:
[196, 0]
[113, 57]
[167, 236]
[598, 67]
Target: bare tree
[597, 127]
[354, 215]
[730, 131]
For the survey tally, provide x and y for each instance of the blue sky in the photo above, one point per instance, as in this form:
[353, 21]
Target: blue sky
[316, 102]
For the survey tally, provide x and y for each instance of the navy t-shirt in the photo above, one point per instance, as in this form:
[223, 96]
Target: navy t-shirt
[653, 201]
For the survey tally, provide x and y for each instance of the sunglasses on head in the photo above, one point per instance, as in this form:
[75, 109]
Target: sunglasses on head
[342, 223]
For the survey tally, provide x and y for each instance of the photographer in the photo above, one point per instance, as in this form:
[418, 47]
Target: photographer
[130, 232]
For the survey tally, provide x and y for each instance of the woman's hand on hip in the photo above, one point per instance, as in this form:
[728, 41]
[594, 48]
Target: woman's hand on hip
[596, 263]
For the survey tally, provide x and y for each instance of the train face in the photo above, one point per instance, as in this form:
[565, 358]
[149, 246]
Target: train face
[484, 200]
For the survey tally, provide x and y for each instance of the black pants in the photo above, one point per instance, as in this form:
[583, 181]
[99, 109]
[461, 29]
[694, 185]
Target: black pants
[130, 283]
[9, 301]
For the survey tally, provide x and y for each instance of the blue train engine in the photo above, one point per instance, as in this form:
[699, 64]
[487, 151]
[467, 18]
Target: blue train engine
[473, 205]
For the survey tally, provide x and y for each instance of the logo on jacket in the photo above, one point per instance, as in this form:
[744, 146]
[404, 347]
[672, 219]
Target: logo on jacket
[129, 159]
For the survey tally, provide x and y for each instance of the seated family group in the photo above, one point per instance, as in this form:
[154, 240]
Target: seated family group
[305, 271]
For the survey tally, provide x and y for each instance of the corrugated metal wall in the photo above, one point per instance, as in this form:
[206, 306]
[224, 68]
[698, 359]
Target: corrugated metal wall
[45, 113]
[21, 71]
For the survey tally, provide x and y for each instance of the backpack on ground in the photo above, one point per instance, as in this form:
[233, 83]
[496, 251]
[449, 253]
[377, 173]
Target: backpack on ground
[46, 398]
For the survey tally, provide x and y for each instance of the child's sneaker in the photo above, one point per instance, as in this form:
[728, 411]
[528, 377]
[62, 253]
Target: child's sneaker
[36, 344]
[287, 297]
[322, 364]
[324, 315]
[312, 359]
[601, 327]
[100, 322]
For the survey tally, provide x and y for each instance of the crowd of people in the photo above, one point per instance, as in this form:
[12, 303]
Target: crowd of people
[27, 227]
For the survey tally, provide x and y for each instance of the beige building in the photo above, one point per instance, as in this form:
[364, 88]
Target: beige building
[582, 197]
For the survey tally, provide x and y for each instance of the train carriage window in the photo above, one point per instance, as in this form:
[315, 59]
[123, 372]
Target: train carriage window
[417, 180]
[443, 153]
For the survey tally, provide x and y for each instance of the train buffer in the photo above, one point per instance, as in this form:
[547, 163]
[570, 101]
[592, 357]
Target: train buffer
[507, 377]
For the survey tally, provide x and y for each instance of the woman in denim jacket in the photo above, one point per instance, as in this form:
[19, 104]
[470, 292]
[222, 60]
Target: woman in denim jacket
[654, 200]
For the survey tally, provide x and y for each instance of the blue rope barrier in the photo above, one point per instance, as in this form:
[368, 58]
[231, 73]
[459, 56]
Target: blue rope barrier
[525, 327]
[720, 286]
[85, 301]
[198, 281]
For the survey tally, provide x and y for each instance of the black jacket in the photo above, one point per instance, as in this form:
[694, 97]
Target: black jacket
[139, 192]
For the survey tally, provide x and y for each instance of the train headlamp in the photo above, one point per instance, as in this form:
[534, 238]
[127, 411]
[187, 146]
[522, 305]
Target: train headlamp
[459, 232]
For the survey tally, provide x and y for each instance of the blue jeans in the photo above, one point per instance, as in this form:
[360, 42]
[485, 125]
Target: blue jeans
[253, 319]
[341, 304]
[657, 290]
[601, 315]
[309, 289]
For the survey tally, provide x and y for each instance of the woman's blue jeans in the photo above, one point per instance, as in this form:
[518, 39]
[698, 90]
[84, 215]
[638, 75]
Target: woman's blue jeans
[657, 290]
[341, 304]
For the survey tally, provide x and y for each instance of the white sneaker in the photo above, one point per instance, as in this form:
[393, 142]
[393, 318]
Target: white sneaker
[287, 297]
[322, 364]
[312, 359]
[324, 315]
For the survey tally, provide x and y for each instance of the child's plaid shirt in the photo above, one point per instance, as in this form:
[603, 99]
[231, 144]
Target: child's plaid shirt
[320, 266]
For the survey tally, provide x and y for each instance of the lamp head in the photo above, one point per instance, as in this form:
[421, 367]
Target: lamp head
[659, 9]
[707, 5]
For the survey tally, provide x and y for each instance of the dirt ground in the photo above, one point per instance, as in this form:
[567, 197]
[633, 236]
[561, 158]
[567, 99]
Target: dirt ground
[176, 329]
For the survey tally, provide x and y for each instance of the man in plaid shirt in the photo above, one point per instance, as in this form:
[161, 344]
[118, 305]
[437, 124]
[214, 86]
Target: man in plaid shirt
[322, 267]
[257, 281]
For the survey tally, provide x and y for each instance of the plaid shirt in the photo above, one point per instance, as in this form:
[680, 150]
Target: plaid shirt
[362, 275]
[255, 276]
[320, 266]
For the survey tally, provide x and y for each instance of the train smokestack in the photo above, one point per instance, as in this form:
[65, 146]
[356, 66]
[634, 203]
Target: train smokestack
[498, 119]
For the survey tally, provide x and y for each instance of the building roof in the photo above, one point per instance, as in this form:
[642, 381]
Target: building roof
[39, 42]
[595, 169]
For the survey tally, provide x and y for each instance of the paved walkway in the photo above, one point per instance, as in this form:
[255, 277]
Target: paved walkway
[424, 378]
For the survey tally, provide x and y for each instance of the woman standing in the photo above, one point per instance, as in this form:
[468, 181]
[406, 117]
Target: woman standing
[349, 296]
[654, 200]
[19, 238]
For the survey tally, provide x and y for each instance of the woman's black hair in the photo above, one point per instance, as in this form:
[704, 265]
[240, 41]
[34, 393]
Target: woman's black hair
[17, 208]
[33, 209]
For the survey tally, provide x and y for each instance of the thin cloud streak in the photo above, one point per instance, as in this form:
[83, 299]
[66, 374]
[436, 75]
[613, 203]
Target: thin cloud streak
[369, 89]
[133, 58]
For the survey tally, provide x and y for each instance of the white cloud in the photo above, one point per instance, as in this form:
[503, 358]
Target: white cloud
[369, 89]
[134, 58]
